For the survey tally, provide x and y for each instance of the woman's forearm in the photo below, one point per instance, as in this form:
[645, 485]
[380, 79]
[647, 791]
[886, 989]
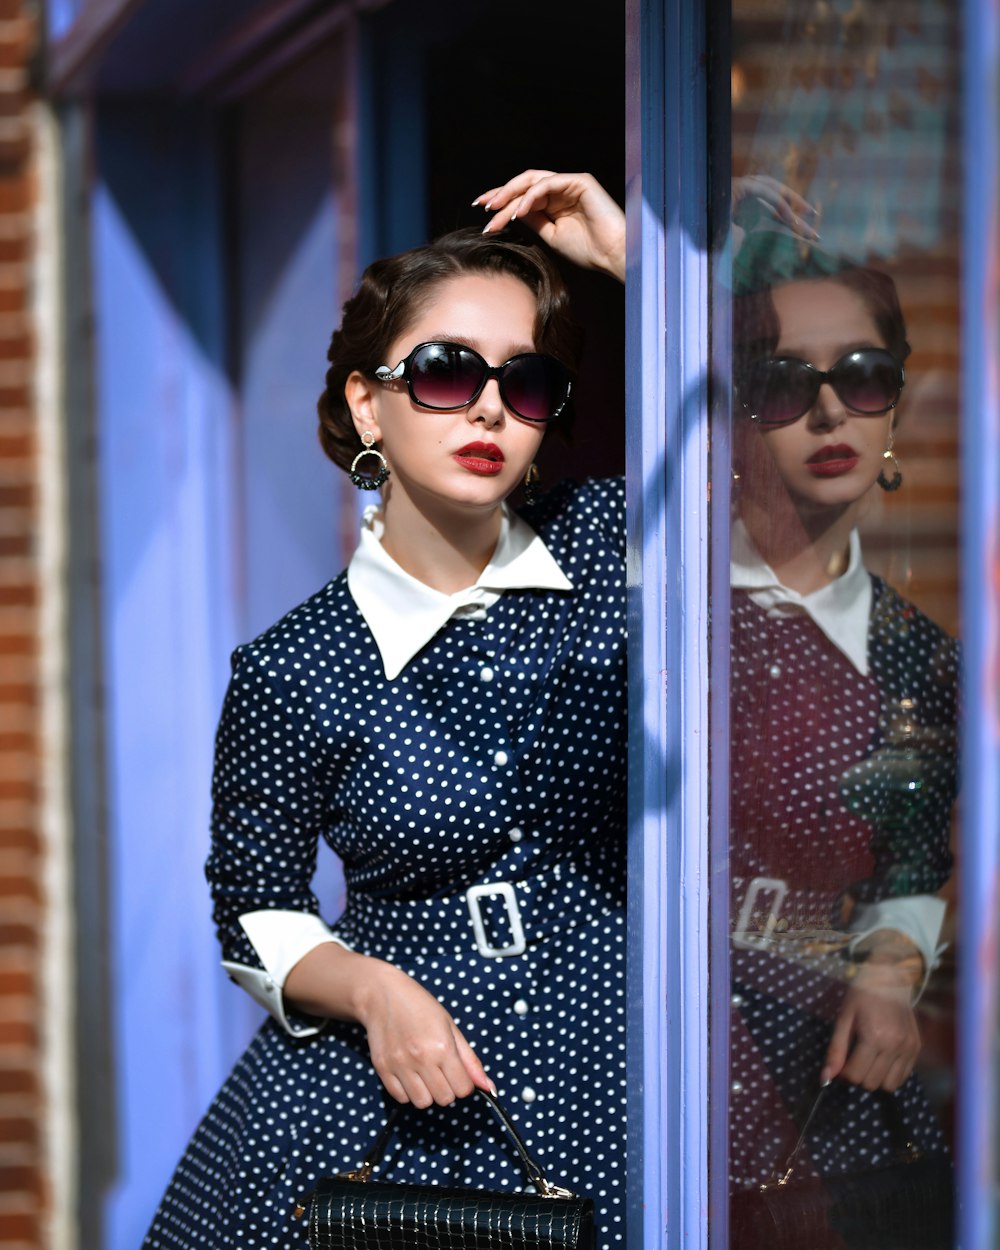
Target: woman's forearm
[335, 983]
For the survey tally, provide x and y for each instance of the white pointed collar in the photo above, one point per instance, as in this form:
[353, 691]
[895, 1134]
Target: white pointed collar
[841, 610]
[404, 614]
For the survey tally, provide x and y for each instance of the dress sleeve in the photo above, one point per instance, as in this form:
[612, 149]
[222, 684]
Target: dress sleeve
[918, 917]
[269, 802]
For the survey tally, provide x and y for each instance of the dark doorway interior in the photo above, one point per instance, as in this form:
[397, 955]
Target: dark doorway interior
[540, 85]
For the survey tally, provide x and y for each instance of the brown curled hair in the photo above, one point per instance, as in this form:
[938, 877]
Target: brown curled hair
[391, 294]
[769, 260]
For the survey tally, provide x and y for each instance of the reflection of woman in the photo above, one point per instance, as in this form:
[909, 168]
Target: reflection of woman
[449, 715]
[842, 736]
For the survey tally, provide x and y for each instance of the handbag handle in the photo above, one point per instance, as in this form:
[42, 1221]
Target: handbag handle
[535, 1175]
[897, 1132]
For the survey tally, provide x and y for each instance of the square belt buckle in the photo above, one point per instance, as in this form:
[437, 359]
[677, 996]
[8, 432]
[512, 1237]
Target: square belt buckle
[505, 891]
[744, 936]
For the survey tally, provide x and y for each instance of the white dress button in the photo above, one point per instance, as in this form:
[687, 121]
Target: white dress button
[486, 674]
[268, 984]
[520, 1007]
[528, 1094]
[775, 670]
[737, 1000]
[500, 759]
[515, 834]
[737, 1087]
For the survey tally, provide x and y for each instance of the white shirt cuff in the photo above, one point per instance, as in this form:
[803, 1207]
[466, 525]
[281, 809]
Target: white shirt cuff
[918, 917]
[281, 939]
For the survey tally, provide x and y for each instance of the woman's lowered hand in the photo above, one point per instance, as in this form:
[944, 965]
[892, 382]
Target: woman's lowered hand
[876, 1040]
[572, 213]
[416, 1047]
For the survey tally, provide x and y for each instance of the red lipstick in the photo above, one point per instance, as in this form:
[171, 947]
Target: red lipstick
[833, 460]
[485, 458]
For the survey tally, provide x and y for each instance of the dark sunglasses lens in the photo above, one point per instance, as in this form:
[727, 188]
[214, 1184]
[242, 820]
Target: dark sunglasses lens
[776, 392]
[868, 381]
[443, 375]
[535, 387]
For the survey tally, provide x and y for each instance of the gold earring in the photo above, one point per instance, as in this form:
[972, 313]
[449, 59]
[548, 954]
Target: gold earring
[532, 480]
[896, 481]
[369, 449]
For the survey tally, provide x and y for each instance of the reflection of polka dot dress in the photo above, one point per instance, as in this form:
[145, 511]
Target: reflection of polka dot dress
[842, 786]
[497, 755]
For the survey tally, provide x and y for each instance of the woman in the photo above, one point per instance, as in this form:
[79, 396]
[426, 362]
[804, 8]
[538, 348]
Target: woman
[449, 715]
[843, 708]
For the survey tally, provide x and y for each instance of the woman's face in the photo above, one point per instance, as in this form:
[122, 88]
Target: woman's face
[472, 457]
[830, 456]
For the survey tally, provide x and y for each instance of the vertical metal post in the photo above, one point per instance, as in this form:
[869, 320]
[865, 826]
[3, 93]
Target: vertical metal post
[979, 1055]
[668, 448]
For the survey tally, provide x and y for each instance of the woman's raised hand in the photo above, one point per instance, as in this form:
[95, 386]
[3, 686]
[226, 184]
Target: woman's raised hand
[416, 1048]
[572, 213]
[777, 201]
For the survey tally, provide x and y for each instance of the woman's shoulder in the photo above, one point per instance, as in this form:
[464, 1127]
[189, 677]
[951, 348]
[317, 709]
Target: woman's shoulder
[596, 503]
[325, 621]
[905, 643]
[895, 618]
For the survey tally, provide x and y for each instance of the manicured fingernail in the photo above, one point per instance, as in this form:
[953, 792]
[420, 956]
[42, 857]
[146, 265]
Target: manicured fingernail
[493, 1090]
[488, 206]
[487, 227]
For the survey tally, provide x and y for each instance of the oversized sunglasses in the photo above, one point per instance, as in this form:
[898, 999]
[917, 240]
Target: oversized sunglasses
[780, 390]
[445, 376]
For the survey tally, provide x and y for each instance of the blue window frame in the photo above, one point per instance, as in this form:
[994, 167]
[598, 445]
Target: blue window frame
[979, 1218]
[669, 281]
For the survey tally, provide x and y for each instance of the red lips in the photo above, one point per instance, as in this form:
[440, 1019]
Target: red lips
[486, 458]
[833, 460]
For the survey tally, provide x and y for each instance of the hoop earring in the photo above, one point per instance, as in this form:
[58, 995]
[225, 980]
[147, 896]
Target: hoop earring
[896, 481]
[532, 479]
[369, 449]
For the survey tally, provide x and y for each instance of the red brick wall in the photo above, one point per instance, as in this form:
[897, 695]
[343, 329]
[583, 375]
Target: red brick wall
[22, 1117]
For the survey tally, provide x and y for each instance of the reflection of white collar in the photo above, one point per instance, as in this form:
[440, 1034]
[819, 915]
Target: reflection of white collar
[841, 610]
[404, 614]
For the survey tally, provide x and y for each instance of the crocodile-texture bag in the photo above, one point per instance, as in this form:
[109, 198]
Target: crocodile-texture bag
[904, 1205]
[350, 1211]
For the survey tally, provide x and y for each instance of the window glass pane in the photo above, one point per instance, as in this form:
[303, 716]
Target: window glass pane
[843, 652]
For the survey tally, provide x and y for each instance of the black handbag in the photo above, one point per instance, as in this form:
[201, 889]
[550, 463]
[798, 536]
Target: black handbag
[905, 1205]
[351, 1211]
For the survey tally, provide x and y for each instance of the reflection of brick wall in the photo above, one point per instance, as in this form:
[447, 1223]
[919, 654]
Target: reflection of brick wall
[856, 106]
[22, 1172]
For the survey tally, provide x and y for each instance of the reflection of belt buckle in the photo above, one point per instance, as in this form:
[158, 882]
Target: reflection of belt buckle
[505, 891]
[743, 936]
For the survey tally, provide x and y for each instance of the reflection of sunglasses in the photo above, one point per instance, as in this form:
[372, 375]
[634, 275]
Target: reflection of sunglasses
[784, 388]
[445, 376]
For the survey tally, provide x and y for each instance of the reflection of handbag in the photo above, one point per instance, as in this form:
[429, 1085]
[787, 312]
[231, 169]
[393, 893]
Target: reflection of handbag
[905, 1205]
[350, 1211]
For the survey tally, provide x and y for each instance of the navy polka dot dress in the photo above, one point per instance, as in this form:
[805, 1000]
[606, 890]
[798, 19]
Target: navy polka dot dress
[497, 755]
[842, 787]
